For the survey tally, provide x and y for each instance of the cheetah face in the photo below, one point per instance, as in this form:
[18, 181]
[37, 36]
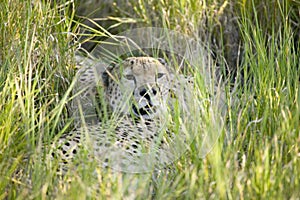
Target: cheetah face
[139, 86]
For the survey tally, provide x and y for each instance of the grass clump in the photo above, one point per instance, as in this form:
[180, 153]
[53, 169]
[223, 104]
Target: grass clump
[36, 70]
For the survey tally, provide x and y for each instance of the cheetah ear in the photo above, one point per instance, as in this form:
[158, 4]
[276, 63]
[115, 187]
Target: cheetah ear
[162, 61]
[107, 73]
[105, 78]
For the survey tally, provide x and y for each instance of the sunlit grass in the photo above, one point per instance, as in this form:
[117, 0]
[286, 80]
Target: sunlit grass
[256, 156]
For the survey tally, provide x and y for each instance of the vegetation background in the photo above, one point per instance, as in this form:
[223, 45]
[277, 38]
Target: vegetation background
[256, 41]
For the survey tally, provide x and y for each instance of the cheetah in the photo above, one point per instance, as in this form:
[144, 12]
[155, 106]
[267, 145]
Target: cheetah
[143, 95]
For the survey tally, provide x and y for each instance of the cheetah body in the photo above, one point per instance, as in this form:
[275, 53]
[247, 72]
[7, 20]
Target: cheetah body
[140, 92]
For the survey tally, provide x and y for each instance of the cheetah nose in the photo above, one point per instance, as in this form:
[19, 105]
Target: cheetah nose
[154, 91]
[145, 93]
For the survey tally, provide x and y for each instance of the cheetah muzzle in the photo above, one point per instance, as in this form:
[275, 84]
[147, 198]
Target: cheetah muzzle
[146, 107]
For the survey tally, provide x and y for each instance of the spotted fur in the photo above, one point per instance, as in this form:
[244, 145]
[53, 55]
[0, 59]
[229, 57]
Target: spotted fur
[140, 92]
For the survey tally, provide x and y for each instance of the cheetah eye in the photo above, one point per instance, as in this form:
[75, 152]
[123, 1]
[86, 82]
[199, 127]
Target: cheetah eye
[129, 77]
[159, 75]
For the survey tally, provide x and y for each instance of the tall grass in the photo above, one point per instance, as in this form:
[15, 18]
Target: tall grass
[257, 155]
[36, 71]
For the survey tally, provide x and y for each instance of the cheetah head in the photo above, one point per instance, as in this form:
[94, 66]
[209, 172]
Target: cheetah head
[139, 86]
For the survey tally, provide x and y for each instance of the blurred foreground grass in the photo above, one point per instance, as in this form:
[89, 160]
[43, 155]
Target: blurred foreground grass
[257, 156]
